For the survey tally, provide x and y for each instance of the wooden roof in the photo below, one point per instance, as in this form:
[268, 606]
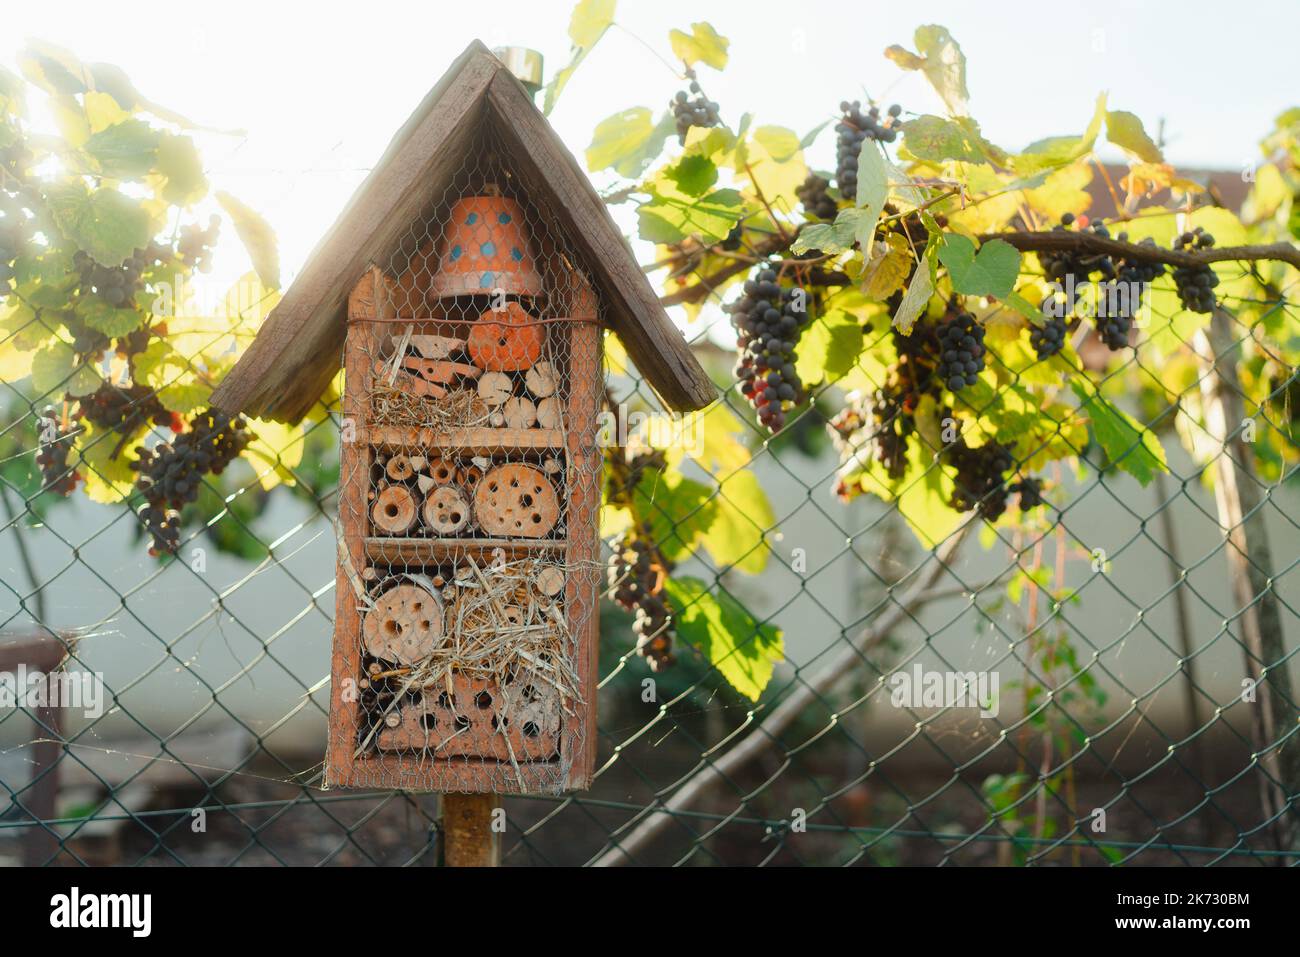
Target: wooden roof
[299, 348]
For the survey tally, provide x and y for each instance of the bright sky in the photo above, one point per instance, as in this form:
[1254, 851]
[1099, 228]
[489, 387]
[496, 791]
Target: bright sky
[320, 87]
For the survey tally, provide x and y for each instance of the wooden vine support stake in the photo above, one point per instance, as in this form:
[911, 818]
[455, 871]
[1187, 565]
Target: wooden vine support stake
[467, 836]
[1250, 569]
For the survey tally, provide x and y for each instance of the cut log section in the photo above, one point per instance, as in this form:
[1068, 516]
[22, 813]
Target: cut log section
[442, 471]
[468, 476]
[550, 414]
[399, 467]
[436, 347]
[394, 510]
[404, 625]
[516, 500]
[446, 510]
[550, 581]
[519, 413]
[540, 380]
[505, 341]
[495, 388]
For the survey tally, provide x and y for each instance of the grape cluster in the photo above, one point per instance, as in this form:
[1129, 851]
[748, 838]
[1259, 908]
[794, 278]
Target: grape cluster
[961, 349]
[117, 285]
[52, 455]
[980, 482]
[854, 128]
[1120, 299]
[196, 243]
[731, 242]
[170, 475]
[1196, 283]
[636, 581]
[1049, 338]
[124, 409]
[768, 322]
[688, 112]
[881, 420]
[1030, 490]
[1071, 269]
[817, 203]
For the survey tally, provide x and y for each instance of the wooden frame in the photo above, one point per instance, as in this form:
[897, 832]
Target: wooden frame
[580, 546]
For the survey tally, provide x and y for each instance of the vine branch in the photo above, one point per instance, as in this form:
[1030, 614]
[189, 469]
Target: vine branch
[1048, 240]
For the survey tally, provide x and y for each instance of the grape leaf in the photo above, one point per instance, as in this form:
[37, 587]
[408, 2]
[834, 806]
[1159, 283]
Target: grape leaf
[940, 58]
[990, 272]
[1127, 445]
[666, 219]
[742, 650]
[702, 45]
[183, 182]
[105, 223]
[112, 322]
[590, 20]
[693, 175]
[886, 269]
[914, 300]
[829, 347]
[125, 150]
[935, 139]
[1125, 130]
[257, 236]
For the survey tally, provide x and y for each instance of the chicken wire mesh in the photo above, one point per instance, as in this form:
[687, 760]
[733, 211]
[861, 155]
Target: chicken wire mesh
[464, 649]
[825, 768]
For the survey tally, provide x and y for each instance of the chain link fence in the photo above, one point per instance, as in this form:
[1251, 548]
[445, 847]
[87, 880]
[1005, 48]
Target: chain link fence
[1107, 683]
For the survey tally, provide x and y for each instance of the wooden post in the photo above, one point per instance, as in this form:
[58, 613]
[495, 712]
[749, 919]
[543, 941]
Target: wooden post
[467, 836]
[1250, 569]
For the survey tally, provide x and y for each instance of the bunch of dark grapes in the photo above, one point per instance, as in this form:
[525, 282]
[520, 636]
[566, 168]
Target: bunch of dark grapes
[854, 128]
[731, 242]
[117, 285]
[817, 203]
[881, 420]
[1196, 283]
[1049, 338]
[170, 475]
[1071, 269]
[636, 581]
[124, 409]
[1120, 299]
[196, 243]
[980, 481]
[1030, 490]
[768, 322]
[688, 112]
[52, 455]
[961, 349]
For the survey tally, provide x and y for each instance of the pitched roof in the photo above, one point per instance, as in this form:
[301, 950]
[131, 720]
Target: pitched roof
[299, 348]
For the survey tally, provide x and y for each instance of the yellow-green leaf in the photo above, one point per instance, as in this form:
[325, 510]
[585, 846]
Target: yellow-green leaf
[702, 45]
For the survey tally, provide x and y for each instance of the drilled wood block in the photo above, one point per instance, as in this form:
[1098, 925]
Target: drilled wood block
[477, 718]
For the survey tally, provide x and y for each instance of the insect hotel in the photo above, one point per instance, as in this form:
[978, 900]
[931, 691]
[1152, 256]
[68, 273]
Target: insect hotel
[466, 287]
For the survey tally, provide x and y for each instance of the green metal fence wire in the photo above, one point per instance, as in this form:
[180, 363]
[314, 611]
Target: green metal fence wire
[1122, 734]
